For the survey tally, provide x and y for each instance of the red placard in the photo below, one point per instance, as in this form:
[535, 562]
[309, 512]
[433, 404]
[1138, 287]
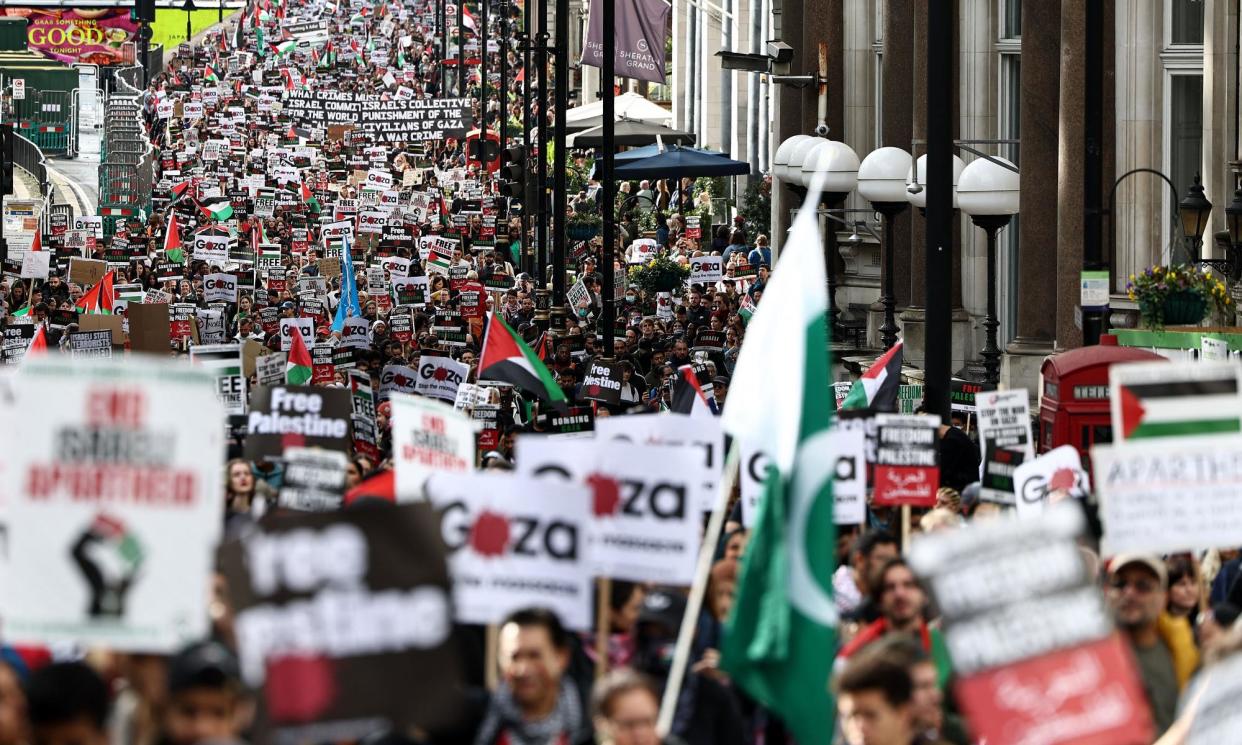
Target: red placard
[1098, 699]
[912, 485]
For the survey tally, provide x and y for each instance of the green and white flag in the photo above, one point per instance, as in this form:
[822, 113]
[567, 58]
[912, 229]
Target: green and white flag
[780, 639]
[1170, 399]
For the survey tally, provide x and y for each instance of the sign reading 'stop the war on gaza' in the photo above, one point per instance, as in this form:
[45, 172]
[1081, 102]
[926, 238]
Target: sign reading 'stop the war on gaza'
[394, 120]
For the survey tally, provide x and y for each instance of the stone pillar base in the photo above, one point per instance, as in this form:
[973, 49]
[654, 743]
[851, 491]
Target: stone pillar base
[913, 322]
[1021, 363]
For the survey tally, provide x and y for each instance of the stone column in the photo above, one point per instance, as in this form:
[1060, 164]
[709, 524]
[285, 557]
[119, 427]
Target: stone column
[787, 108]
[1037, 286]
[900, 91]
[1071, 189]
[1220, 76]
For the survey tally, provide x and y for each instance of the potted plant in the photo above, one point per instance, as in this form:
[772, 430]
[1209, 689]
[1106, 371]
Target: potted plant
[1178, 295]
[583, 226]
[660, 274]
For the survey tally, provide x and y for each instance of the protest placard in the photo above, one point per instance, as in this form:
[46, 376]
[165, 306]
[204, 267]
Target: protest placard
[224, 360]
[111, 502]
[391, 120]
[702, 436]
[35, 264]
[907, 460]
[646, 526]
[355, 332]
[1005, 440]
[510, 537]
[844, 448]
[297, 416]
[90, 344]
[397, 379]
[1022, 619]
[270, 368]
[149, 328]
[86, 271]
[290, 326]
[428, 436]
[411, 290]
[570, 461]
[314, 480]
[362, 400]
[602, 382]
[1057, 472]
[213, 249]
[220, 287]
[439, 377]
[339, 617]
[705, 270]
[1169, 495]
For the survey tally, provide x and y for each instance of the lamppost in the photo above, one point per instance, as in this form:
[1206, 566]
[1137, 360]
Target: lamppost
[189, 8]
[882, 181]
[840, 163]
[1194, 210]
[988, 192]
[1233, 219]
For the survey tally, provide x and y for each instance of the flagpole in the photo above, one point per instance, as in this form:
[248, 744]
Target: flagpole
[603, 624]
[694, 604]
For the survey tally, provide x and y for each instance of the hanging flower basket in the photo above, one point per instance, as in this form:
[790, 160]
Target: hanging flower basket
[1177, 295]
[1185, 308]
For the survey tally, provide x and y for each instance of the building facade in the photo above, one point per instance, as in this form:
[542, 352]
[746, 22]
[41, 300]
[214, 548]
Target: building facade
[1169, 103]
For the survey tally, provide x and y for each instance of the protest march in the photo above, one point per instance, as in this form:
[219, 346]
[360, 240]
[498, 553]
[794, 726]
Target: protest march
[312, 452]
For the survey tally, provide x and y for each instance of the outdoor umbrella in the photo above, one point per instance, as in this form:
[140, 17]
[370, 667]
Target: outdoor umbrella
[677, 162]
[630, 132]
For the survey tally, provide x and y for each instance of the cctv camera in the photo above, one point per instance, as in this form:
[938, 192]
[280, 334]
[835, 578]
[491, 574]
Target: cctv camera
[821, 130]
[915, 188]
[780, 52]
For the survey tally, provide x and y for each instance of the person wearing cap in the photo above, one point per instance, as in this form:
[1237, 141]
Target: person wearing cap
[204, 694]
[1163, 647]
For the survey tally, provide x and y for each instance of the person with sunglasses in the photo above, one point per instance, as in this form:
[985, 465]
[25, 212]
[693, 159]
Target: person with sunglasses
[1163, 646]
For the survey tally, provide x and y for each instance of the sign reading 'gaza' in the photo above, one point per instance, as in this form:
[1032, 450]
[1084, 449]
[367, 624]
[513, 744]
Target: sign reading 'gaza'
[394, 120]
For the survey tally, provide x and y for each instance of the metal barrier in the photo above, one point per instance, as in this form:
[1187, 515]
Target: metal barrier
[127, 160]
[45, 118]
[30, 158]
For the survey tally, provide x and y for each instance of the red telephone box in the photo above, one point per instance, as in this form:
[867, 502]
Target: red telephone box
[493, 137]
[1074, 408]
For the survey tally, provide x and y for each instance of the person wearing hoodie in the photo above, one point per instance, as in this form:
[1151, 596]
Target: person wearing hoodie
[1163, 645]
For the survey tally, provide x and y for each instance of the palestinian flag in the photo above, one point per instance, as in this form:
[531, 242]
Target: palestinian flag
[746, 309]
[98, 299]
[179, 190]
[218, 210]
[877, 389]
[467, 20]
[36, 244]
[25, 311]
[543, 347]
[688, 395]
[1162, 400]
[308, 198]
[440, 261]
[506, 358]
[298, 369]
[283, 48]
[38, 343]
[172, 240]
[209, 74]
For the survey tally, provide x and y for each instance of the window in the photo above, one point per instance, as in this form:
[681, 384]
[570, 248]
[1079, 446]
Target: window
[1186, 22]
[1185, 130]
[1011, 19]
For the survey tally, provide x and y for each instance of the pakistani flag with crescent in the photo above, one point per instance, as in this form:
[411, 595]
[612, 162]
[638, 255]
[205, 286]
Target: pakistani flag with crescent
[780, 638]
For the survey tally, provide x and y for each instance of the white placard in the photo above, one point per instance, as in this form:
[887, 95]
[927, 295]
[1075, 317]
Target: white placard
[427, 437]
[511, 538]
[1170, 495]
[290, 326]
[701, 436]
[1035, 480]
[439, 377]
[705, 270]
[848, 448]
[35, 264]
[220, 288]
[213, 249]
[110, 500]
[647, 529]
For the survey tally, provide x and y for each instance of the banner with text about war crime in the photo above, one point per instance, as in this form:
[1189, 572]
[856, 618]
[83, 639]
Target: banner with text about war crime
[394, 120]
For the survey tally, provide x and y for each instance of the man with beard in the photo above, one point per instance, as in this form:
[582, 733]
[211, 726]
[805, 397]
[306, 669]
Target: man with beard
[902, 604]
